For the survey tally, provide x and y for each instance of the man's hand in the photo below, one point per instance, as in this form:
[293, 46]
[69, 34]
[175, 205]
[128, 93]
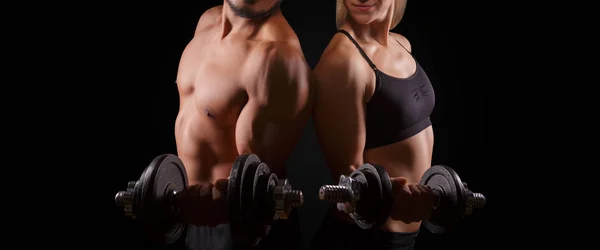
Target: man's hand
[204, 204]
[413, 202]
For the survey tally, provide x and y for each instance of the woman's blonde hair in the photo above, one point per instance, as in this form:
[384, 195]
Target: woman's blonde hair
[340, 13]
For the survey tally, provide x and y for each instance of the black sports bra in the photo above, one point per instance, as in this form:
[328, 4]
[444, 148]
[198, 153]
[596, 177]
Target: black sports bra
[399, 107]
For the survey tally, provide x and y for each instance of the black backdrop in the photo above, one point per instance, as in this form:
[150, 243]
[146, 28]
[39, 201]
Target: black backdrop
[445, 40]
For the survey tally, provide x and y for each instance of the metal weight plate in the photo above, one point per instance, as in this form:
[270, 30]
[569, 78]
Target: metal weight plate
[235, 197]
[374, 201]
[256, 195]
[272, 183]
[263, 195]
[363, 210]
[387, 200]
[249, 207]
[452, 204]
[152, 204]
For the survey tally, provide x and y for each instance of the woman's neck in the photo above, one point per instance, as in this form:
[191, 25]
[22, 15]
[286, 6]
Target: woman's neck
[375, 31]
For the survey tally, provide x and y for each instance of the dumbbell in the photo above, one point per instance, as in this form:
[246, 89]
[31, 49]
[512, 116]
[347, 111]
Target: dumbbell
[256, 199]
[368, 193]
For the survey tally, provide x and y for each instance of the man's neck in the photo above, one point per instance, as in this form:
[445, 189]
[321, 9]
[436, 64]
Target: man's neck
[234, 24]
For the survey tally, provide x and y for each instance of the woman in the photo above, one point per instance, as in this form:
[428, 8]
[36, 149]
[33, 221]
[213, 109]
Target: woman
[373, 103]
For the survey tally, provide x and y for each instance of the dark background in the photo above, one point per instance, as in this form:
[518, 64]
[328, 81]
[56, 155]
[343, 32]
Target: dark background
[445, 40]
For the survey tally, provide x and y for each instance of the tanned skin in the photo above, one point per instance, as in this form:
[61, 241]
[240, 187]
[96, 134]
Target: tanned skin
[345, 83]
[243, 87]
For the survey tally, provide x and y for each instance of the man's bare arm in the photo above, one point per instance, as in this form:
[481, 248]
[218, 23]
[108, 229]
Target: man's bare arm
[339, 111]
[278, 107]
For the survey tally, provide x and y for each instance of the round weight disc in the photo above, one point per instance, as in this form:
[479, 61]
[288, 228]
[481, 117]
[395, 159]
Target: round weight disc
[262, 197]
[371, 206]
[247, 190]
[248, 206]
[164, 175]
[235, 197]
[363, 210]
[255, 193]
[453, 201]
[387, 194]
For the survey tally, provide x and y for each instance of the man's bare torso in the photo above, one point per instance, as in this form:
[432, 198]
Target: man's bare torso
[213, 78]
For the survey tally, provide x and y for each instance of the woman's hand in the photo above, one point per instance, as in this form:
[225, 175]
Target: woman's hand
[412, 202]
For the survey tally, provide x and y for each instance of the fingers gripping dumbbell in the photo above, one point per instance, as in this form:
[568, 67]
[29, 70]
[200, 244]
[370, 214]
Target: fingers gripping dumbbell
[256, 198]
[368, 193]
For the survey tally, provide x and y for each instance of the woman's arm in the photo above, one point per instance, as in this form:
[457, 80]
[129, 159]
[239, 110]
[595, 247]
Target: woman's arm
[338, 111]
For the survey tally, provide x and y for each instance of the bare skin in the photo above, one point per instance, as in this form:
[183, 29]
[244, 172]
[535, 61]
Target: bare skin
[244, 88]
[345, 83]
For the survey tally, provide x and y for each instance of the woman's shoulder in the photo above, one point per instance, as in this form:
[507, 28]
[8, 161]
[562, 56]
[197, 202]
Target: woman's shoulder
[339, 54]
[402, 40]
[341, 64]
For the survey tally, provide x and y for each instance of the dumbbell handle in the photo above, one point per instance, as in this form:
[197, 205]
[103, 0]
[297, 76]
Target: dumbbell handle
[340, 193]
[214, 205]
[201, 204]
[336, 193]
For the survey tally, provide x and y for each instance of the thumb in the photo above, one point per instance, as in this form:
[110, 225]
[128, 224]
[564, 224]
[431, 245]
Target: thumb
[398, 182]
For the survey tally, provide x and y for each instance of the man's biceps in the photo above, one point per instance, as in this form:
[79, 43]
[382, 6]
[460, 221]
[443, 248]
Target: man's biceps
[261, 116]
[284, 110]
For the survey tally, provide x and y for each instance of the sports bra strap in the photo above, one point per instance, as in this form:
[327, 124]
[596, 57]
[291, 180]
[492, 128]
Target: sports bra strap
[362, 52]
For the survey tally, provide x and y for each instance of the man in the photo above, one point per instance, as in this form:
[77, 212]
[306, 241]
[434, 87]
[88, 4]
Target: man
[243, 83]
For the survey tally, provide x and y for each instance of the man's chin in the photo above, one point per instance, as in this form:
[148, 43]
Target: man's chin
[246, 12]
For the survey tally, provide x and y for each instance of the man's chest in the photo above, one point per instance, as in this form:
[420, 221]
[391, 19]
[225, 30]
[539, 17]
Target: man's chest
[211, 77]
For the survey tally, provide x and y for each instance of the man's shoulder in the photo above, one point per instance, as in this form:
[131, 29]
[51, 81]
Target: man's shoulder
[277, 30]
[212, 13]
[210, 17]
[278, 50]
[277, 66]
[280, 55]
